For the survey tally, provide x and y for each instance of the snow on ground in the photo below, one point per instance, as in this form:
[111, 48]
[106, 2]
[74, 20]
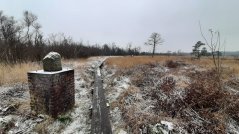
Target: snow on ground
[81, 115]
[132, 88]
[128, 91]
[114, 87]
[117, 82]
[16, 117]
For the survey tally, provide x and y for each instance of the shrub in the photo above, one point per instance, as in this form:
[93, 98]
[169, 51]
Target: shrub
[171, 64]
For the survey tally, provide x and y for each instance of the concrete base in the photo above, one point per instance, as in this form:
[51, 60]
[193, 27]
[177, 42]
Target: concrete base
[51, 93]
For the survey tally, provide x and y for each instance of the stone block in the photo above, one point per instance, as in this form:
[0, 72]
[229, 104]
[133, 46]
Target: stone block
[52, 62]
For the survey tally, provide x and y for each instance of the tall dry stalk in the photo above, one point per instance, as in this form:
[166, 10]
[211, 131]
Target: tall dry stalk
[215, 46]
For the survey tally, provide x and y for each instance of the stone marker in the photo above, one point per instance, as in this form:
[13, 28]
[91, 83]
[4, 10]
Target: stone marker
[52, 62]
[52, 90]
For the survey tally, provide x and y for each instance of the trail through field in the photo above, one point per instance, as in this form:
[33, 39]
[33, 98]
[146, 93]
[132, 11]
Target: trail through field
[148, 98]
[16, 116]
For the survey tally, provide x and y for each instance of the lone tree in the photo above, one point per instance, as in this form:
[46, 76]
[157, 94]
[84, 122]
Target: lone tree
[154, 40]
[196, 49]
[204, 52]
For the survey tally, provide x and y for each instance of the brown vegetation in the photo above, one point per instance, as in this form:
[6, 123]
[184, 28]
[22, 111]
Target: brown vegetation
[16, 73]
[203, 105]
[228, 63]
[134, 118]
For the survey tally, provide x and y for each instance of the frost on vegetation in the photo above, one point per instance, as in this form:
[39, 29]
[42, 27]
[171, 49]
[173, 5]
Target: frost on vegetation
[186, 101]
[121, 132]
[164, 127]
[120, 84]
[232, 127]
[76, 120]
[117, 121]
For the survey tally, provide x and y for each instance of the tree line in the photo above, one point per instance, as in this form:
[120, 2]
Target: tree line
[22, 41]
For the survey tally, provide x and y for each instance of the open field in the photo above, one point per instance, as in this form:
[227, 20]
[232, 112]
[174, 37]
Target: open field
[164, 94]
[17, 73]
[228, 63]
[128, 61]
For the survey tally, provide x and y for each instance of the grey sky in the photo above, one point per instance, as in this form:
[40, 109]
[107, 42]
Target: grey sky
[124, 21]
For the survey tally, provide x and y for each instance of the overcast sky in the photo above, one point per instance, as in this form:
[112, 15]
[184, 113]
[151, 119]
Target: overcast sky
[124, 21]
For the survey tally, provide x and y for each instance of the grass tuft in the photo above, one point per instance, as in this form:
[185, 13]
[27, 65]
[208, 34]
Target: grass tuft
[64, 119]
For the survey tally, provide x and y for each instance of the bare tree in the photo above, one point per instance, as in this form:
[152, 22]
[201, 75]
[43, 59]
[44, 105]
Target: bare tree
[154, 40]
[29, 20]
[8, 33]
[22, 42]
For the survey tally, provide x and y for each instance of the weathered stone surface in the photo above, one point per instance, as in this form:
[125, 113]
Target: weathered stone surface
[52, 62]
[51, 93]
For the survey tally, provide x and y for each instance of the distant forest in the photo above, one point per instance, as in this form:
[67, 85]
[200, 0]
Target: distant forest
[22, 41]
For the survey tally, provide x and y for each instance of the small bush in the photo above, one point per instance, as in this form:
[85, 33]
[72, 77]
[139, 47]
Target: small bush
[207, 99]
[171, 64]
[204, 100]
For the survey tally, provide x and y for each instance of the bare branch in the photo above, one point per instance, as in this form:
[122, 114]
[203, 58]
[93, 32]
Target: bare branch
[203, 35]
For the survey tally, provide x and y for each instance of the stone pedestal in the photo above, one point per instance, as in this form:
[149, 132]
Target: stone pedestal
[52, 93]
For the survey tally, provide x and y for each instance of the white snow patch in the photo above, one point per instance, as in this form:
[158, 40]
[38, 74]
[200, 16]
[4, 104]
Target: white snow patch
[46, 72]
[116, 119]
[98, 72]
[121, 84]
[232, 127]
[169, 124]
[122, 132]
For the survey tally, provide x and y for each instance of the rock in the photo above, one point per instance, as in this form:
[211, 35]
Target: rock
[52, 62]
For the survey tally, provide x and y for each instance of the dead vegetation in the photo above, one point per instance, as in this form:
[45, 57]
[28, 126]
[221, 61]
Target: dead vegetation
[228, 63]
[171, 64]
[10, 74]
[190, 97]
[17, 73]
[135, 119]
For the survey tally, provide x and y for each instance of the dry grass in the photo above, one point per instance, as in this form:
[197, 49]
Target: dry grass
[205, 62]
[16, 73]
[133, 117]
[74, 62]
[10, 74]
[41, 127]
[202, 99]
[128, 61]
